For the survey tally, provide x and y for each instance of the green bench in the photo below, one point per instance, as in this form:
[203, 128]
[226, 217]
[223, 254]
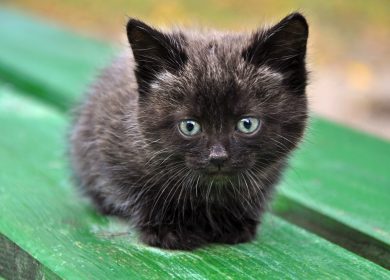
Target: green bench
[330, 217]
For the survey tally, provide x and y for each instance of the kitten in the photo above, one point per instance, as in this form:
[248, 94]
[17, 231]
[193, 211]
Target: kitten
[187, 135]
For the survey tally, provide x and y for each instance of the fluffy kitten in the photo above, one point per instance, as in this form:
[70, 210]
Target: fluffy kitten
[188, 134]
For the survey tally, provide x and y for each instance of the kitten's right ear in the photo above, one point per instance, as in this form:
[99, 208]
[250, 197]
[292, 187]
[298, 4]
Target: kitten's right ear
[154, 51]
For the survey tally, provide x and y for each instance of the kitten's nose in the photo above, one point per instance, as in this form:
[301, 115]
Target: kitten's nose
[218, 155]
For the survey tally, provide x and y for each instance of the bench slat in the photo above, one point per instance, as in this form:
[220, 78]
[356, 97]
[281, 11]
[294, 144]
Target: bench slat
[43, 217]
[46, 60]
[345, 175]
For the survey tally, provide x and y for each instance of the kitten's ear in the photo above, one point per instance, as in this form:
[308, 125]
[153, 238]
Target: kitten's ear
[282, 47]
[154, 51]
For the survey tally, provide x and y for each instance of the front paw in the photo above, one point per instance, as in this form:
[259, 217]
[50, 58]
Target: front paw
[244, 234]
[170, 238]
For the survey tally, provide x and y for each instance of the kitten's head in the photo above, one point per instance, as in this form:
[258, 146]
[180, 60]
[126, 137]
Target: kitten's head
[222, 103]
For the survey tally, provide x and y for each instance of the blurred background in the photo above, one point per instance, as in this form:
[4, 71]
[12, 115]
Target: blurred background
[349, 53]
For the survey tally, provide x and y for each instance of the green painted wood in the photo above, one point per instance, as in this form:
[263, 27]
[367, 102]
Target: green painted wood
[47, 61]
[334, 231]
[43, 216]
[345, 175]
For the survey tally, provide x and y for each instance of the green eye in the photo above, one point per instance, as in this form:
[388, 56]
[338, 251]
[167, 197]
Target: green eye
[248, 125]
[189, 127]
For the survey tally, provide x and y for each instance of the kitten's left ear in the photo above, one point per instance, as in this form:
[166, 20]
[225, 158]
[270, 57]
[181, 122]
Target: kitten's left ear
[282, 47]
[154, 52]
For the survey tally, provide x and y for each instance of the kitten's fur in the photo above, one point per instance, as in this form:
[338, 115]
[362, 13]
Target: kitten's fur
[132, 161]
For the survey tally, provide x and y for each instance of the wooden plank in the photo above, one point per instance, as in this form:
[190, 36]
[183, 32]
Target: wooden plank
[47, 61]
[15, 263]
[343, 174]
[338, 173]
[45, 219]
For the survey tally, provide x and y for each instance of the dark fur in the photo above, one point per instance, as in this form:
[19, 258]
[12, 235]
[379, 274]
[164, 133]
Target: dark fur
[132, 161]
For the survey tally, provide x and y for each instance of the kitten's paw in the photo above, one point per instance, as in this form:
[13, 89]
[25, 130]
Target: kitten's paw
[246, 234]
[173, 239]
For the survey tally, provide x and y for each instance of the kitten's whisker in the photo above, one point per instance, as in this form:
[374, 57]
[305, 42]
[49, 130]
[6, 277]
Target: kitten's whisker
[185, 186]
[156, 154]
[243, 197]
[156, 178]
[163, 188]
[175, 187]
[256, 184]
[196, 186]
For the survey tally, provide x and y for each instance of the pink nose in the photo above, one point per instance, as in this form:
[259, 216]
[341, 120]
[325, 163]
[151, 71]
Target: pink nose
[218, 155]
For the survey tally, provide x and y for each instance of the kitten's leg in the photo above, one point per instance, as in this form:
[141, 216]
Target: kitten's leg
[99, 202]
[239, 232]
[184, 237]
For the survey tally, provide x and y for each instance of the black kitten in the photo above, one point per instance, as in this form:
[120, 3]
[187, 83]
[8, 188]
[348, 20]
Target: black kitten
[187, 135]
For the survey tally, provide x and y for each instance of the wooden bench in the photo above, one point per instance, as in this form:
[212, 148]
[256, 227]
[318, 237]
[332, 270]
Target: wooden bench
[330, 217]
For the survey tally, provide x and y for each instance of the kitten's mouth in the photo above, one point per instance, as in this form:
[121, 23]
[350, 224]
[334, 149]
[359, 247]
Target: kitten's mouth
[219, 175]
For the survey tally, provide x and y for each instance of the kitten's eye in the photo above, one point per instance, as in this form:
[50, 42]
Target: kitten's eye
[189, 127]
[248, 125]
